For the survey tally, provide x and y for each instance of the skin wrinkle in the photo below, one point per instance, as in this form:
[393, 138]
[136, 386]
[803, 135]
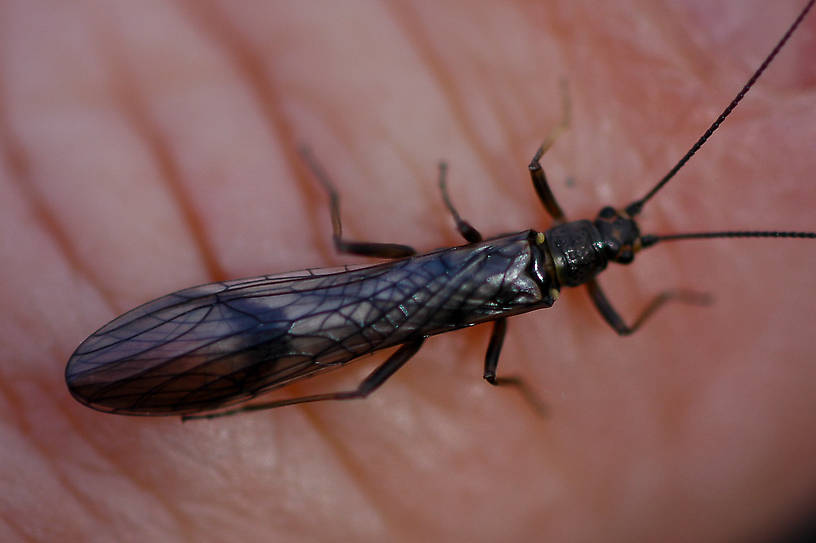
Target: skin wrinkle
[54, 473]
[18, 161]
[531, 110]
[435, 67]
[353, 467]
[134, 110]
[252, 70]
[499, 99]
[13, 399]
[10, 522]
[181, 519]
[689, 51]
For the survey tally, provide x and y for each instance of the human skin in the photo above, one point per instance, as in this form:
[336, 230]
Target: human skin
[147, 147]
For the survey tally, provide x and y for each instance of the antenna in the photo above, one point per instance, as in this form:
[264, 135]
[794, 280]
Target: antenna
[650, 239]
[637, 206]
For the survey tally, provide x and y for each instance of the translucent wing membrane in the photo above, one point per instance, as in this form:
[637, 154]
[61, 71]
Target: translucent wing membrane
[212, 345]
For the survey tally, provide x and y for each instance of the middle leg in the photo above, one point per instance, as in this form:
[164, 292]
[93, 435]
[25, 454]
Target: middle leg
[465, 228]
[492, 362]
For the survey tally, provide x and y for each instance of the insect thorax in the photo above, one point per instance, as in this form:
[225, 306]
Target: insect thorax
[580, 250]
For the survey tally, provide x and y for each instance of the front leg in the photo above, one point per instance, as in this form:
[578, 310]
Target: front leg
[540, 184]
[614, 320]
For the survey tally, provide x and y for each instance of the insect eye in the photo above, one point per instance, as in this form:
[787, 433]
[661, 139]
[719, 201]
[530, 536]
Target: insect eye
[607, 213]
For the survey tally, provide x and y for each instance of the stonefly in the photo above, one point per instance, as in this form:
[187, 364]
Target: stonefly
[199, 350]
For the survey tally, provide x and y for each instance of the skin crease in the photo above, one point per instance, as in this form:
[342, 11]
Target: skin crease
[147, 147]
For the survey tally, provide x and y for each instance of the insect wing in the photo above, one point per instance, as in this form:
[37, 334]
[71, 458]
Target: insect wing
[211, 345]
[205, 347]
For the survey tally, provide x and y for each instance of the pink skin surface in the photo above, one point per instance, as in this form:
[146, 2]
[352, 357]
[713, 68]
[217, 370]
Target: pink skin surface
[151, 146]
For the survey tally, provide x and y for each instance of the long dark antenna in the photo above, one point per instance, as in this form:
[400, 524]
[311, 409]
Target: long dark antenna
[637, 206]
[649, 240]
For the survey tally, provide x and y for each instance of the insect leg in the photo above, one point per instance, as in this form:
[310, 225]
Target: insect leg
[465, 228]
[614, 319]
[363, 248]
[493, 350]
[492, 362]
[542, 187]
[369, 385]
